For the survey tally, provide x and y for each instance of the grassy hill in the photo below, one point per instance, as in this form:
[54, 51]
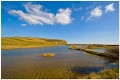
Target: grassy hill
[28, 42]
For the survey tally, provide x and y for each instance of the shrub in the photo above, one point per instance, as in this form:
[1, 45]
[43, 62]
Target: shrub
[113, 54]
[105, 74]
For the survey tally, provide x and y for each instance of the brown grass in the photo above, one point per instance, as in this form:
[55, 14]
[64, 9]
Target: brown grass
[105, 74]
[48, 55]
[26, 42]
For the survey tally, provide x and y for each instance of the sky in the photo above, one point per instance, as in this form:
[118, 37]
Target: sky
[77, 22]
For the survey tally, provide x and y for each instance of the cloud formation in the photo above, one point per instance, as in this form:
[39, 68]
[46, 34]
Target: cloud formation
[63, 16]
[109, 8]
[96, 12]
[36, 16]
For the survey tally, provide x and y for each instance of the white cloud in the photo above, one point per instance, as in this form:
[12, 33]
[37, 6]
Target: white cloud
[25, 17]
[109, 8]
[96, 12]
[23, 24]
[63, 16]
[35, 15]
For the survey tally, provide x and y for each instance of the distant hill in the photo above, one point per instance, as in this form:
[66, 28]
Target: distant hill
[28, 42]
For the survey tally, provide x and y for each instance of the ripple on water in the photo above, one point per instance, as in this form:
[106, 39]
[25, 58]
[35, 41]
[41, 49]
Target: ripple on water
[26, 63]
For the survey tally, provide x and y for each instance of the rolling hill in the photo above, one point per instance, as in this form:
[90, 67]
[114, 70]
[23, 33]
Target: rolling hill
[28, 42]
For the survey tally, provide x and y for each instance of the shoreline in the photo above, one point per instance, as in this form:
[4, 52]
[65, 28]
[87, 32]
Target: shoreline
[8, 43]
[23, 47]
[107, 55]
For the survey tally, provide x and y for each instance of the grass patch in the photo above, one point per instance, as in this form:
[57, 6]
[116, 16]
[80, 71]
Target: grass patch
[48, 55]
[111, 54]
[105, 74]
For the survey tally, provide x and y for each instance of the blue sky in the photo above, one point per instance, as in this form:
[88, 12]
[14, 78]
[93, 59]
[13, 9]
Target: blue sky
[77, 22]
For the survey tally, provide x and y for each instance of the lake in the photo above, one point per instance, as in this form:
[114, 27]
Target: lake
[28, 64]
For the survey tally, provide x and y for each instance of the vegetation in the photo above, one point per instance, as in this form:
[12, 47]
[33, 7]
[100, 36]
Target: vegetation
[98, 46]
[48, 55]
[105, 74]
[27, 42]
[73, 47]
[89, 51]
[93, 46]
[111, 55]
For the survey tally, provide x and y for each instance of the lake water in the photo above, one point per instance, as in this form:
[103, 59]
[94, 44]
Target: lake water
[27, 63]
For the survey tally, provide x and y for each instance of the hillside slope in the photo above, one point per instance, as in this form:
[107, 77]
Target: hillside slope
[27, 42]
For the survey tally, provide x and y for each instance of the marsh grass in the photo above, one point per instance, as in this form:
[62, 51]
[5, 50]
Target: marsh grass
[105, 74]
[48, 55]
[111, 55]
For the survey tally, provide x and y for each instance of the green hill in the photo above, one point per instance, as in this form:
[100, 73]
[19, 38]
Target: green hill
[28, 42]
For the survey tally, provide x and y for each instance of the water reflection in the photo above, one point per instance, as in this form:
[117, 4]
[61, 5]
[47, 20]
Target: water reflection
[85, 70]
